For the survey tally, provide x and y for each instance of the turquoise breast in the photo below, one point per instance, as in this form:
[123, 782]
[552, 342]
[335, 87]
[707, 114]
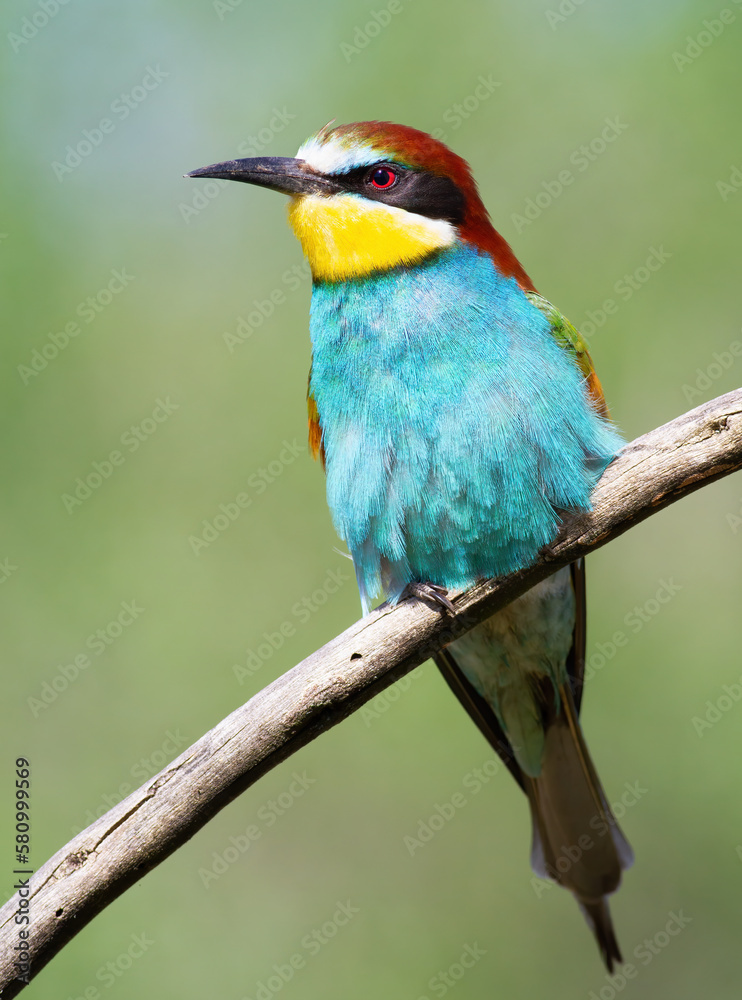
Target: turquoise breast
[456, 429]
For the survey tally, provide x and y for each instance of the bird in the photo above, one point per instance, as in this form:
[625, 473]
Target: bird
[459, 420]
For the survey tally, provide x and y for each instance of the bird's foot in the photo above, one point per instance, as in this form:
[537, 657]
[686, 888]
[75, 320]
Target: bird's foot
[429, 592]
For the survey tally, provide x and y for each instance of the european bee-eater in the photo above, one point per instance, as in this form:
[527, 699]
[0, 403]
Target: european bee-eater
[458, 417]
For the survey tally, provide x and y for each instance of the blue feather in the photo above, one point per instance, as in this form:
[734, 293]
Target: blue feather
[456, 427]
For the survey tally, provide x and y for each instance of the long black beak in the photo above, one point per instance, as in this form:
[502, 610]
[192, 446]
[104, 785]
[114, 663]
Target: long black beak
[279, 173]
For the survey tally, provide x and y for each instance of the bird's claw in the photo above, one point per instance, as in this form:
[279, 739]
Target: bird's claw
[429, 592]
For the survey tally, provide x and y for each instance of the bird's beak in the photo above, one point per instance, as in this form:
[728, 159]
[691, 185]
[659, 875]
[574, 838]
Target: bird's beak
[279, 173]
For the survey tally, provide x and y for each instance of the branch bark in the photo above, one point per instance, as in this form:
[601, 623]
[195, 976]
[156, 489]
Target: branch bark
[100, 863]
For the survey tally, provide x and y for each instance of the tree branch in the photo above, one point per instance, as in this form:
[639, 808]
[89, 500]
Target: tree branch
[119, 848]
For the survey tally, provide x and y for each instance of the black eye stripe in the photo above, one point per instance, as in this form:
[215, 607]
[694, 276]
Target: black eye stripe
[413, 190]
[358, 175]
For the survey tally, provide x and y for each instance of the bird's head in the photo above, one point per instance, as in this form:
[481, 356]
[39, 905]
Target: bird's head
[371, 196]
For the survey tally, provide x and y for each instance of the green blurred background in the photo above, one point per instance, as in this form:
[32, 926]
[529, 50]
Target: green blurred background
[224, 77]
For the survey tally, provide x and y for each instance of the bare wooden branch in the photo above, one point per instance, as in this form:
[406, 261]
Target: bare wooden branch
[119, 848]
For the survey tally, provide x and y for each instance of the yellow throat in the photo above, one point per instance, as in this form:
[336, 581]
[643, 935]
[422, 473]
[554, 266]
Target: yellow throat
[346, 236]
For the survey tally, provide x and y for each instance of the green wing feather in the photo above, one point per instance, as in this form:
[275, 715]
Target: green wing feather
[569, 337]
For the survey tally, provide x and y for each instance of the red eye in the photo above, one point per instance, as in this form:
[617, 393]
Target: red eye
[382, 177]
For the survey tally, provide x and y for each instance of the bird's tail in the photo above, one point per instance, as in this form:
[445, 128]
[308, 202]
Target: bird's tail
[576, 839]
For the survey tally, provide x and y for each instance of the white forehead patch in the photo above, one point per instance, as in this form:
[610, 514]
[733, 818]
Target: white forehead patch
[333, 157]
